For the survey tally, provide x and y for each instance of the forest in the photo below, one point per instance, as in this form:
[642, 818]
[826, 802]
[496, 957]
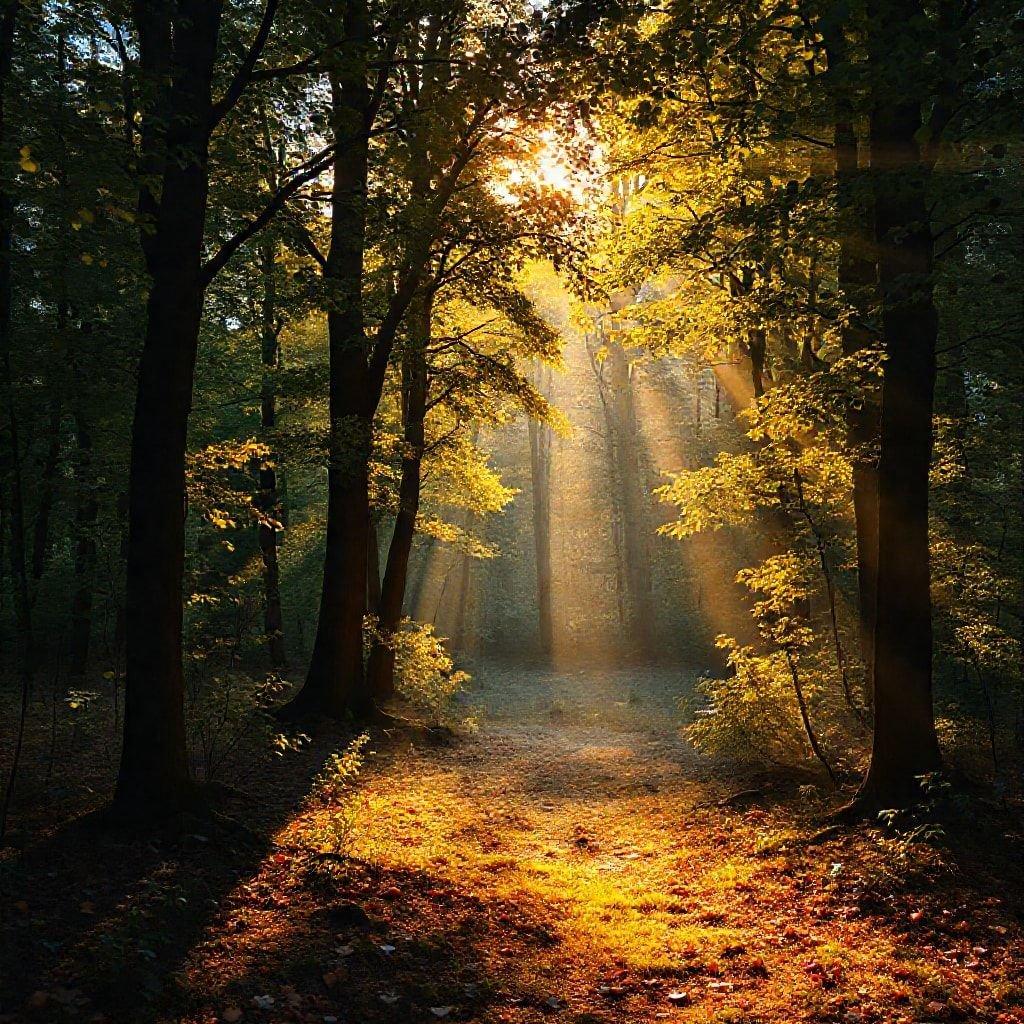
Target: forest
[511, 511]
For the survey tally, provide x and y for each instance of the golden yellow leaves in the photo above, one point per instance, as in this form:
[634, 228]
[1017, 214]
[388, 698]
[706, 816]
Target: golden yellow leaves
[25, 160]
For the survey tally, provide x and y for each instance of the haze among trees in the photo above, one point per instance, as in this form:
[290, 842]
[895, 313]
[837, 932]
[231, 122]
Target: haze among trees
[543, 437]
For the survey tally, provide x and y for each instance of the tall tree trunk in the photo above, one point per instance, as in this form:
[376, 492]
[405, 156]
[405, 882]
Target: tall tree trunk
[9, 10]
[335, 682]
[634, 521]
[540, 476]
[273, 618]
[22, 607]
[856, 278]
[381, 668]
[154, 773]
[44, 507]
[86, 508]
[373, 569]
[593, 343]
[41, 539]
[905, 745]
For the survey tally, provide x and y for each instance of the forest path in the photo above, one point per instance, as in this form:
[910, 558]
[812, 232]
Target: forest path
[546, 870]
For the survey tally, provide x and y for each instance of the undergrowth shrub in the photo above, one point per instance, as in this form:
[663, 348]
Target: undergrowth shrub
[228, 712]
[331, 798]
[424, 671]
[793, 697]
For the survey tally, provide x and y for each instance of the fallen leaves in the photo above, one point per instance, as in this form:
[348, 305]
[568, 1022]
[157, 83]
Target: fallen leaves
[640, 914]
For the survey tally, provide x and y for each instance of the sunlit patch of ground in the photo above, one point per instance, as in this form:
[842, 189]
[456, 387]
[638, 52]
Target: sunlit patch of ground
[579, 873]
[574, 863]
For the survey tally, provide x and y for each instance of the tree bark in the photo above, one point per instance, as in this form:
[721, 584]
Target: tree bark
[634, 525]
[335, 682]
[856, 277]
[540, 476]
[22, 606]
[273, 617]
[905, 745]
[16, 496]
[48, 470]
[154, 775]
[381, 668]
[86, 509]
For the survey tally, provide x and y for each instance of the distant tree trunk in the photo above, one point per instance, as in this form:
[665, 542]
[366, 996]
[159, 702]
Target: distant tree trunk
[757, 345]
[421, 577]
[373, 569]
[381, 667]
[270, 348]
[462, 605]
[154, 775]
[615, 481]
[41, 543]
[86, 509]
[9, 10]
[905, 745]
[44, 508]
[540, 476]
[634, 521]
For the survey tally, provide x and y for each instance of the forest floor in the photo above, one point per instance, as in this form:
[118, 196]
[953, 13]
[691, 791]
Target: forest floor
[573, 861]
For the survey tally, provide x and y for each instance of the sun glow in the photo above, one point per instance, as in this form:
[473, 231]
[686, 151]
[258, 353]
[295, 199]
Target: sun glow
[553, 163]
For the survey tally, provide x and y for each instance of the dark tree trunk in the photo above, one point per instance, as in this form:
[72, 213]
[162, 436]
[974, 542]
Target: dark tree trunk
[540, 476]
[758, 346]
[381, 669]
[856, 277]
[15, 485]
[373, 569]
[154, 775]
[41, 542]
[22, 606]
[120, 615]
[44, 509]
[273, 617]
[86, 511]
[86, 508]
[335, 683]
[905, 744]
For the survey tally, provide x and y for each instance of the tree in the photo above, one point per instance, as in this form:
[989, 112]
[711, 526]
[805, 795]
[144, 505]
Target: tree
[178, 59]
[451, 115]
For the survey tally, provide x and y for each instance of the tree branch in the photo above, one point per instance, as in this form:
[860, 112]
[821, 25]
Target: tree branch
[300, 176]
[244, 75]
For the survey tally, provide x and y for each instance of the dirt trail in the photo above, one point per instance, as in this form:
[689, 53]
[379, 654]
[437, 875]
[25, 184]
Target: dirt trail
[583, 873]
[570, 862]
